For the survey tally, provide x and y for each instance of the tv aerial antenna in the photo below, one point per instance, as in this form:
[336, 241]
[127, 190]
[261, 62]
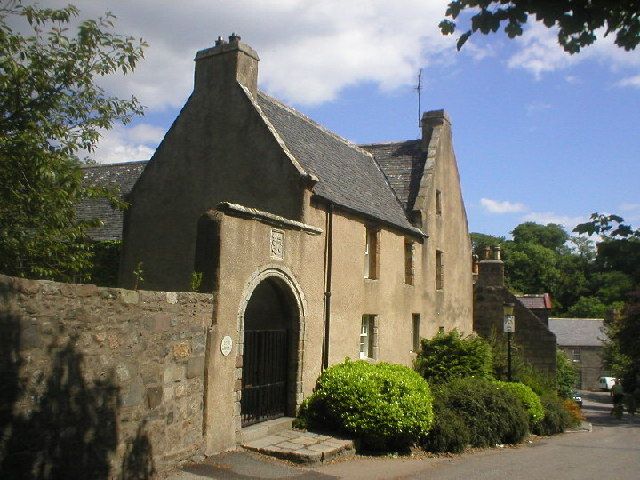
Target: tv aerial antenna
[419, 90]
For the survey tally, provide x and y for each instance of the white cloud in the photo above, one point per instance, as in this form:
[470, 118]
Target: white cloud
[496, 206]
[633, 81]
[630, 207]
[309, 50]
[550, 217]
[539, 53]
[122, 144]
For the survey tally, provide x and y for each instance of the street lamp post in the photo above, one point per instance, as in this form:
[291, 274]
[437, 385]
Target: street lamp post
[509, 328]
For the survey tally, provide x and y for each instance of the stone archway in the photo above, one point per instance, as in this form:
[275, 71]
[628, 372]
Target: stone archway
[271, 326]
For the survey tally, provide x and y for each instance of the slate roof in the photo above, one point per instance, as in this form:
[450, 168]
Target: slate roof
[348, 175]
[403, 164]
[578, 332]
[535, 301]
[118, 176]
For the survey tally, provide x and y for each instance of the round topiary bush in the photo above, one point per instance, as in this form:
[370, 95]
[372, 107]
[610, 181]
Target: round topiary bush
[387, 407]
[529, 399]
[492, 414]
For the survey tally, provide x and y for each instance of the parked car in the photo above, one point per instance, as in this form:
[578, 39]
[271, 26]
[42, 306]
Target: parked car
[606, 383]
[576, 397]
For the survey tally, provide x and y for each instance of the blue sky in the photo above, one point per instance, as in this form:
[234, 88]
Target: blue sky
[539, 135]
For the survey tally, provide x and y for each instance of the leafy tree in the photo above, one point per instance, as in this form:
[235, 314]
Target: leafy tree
[479, 241]
[532, 268]
[577, 20]
[566, 375]
[551, 236]
[622, 352]
[587, 307]
[52, 109]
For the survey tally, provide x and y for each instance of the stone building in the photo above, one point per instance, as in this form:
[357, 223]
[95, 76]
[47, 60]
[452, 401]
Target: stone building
[314, 249]
[582, 339]
[532, 335]
[539, 304]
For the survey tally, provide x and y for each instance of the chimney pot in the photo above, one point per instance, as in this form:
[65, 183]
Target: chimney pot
[487, 253]
[496, 252]
[219, 41]
[234, 39]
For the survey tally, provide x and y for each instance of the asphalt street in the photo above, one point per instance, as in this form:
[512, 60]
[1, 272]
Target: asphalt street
[610, 451]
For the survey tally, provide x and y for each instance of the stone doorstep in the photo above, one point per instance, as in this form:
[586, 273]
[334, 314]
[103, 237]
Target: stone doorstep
[301, 447]
[270, 427]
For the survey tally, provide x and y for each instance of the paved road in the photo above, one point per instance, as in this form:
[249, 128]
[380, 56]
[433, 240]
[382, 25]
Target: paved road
[610, 451]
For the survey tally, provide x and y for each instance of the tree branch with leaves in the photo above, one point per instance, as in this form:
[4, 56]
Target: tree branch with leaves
[51, 109]
[577, 20]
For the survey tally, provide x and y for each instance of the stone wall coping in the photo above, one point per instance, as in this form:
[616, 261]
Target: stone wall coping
[34, 286]
[236, 210]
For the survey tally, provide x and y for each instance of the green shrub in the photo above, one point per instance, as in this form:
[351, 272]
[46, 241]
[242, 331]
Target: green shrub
[450, 355]
[566, 375]
[106, 261]
[449, 432]
[387, 407]
[492, 414]
[521, 370]
[556, 417]
[529, 399]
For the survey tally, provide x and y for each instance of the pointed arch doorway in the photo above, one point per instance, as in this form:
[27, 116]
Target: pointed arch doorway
[271, 324]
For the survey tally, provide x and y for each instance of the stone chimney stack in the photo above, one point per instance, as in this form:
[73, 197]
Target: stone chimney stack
[432, 119]
[225, 63]
[491, 269]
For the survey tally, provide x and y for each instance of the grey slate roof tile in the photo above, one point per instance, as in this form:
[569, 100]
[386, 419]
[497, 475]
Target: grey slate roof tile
[348, 176]
[578, 332]
[403, 164]
[118, 176]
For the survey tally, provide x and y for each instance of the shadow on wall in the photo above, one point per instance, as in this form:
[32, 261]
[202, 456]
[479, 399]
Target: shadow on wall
[56, 424]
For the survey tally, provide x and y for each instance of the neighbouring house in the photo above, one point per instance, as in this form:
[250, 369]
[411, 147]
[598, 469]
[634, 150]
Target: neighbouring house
[582, 339]
[534, 338]
[314, 249]
[539, 304]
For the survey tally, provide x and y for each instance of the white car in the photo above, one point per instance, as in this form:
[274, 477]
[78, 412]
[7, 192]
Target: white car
[606, 383]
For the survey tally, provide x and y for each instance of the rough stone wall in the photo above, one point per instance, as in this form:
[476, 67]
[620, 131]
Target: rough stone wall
[99, 382]
[590, 366]
[537, 343]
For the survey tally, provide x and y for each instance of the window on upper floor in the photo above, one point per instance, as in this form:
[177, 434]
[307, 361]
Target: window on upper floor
[368, 336]
[439, 270]
[408, 262]
[438, 202]
[415, 332]
[371, 253]
[576, 355]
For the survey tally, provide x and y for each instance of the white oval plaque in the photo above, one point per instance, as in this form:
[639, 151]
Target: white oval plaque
[225, 345]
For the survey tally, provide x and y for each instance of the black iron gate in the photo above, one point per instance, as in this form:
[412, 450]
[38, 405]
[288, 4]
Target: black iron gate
[264, 375]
